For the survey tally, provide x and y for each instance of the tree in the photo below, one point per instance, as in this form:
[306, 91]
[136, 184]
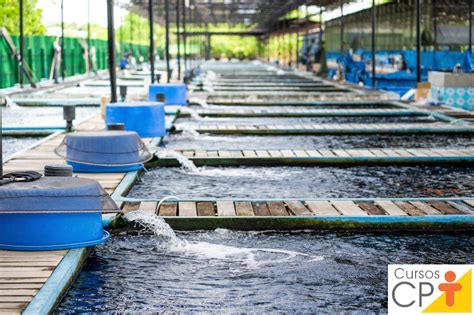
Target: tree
[10, 17]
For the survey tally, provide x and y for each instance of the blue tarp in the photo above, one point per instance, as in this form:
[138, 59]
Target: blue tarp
[400, 81]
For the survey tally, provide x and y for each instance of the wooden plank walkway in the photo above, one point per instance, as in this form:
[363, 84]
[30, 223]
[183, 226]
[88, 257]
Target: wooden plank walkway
[280, 89]
[329, 207]
[322, 156]
[330, 129]
[328, 97]
[23, 274]
[385, 215]
[307, 112]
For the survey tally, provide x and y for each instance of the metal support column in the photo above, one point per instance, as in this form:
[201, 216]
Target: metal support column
[178, 37]
[185, 44]
[342, 26]
[152, 40]
[167, 40]
[320, 26]
[130, 37]
[208, 47]
[374, 21]
[434, 16]
[63, 57]
[418, 40]
[22, 44]
[89, 58]
[306, 38]
[297, 51]
[1, 148]
[111, 50]
[470, 26]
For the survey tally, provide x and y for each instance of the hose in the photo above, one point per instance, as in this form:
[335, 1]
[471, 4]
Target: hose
[15, 177]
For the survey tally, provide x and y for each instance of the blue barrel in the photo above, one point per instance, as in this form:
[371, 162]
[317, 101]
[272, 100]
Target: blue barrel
[89, 168]
[145, 118]
[170, 93]
[51, 213]
[104, 152]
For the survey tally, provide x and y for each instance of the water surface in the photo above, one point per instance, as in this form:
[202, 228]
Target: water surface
[305, 120]
[233, 272]
[26, 116]
[12, 144]
[189, 140]
[307, 182]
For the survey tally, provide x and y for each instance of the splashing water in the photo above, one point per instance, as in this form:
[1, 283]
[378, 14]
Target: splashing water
[10, 103]
[250, 257]
[187, 130]
[194, 114]
[162, 231]
[185, 163]
[190, 168]
[201, 103]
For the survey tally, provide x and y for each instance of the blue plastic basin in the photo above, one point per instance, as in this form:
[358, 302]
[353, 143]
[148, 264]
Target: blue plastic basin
[169, 93]
[88, 168]
[51, 213]
[145, 118]
[50, 231]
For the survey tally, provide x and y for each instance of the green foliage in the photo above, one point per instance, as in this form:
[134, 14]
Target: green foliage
[242, 47]
[135, 29]
[10, 16]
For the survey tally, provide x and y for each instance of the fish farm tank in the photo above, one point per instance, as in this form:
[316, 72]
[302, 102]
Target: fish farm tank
[279, 160]
[14, 144]
[230, 271]
[189, 140]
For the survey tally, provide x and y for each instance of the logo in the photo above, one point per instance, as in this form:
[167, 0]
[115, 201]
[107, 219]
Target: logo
[430, 289]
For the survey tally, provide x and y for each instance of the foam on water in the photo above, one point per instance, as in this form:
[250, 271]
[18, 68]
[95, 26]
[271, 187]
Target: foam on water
[187, 130]
[167, 240]
[189, 168]
[185, 163]
[163, 232]
[200, 102]
[194, 114]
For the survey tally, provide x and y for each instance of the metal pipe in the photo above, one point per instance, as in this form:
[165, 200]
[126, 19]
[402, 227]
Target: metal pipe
[111, 50]
[130, 37]
[320, 26]
[185, 44]
[342, 26]
[297, 51]
[152, 41]
[208, 43]
[89, 59]
[167, 39]
[178, 38]
[22, 43]
[374, 20]
[306, 33]
[122, 23]
[418, 41]
[434, 14]
[470, 26]
[63, 57]
[1, 140]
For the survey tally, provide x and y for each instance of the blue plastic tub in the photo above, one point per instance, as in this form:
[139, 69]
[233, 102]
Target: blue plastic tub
[51, 213]
[31, 232]
[89, 168]
[145, 118]
[104, 152]
[170, 93]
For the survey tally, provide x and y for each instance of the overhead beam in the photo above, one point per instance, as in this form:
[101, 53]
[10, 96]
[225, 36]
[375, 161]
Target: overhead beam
[225, 33]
